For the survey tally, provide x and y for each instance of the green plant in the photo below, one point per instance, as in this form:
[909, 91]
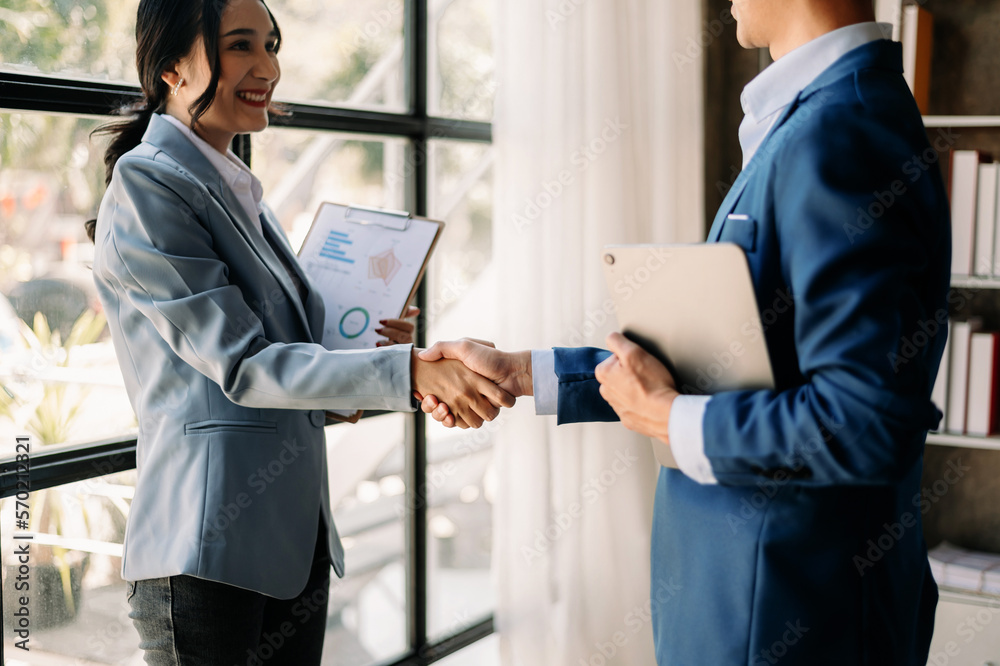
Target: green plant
[55, 413]
[51, 422]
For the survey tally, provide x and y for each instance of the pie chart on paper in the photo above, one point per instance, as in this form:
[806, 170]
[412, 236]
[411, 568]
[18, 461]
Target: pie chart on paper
[354, 322]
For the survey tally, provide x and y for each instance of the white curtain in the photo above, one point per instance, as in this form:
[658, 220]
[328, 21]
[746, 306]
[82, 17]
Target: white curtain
[598, 133]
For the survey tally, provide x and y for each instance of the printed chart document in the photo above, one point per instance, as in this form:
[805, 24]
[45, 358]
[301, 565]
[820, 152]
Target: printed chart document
[367, 264]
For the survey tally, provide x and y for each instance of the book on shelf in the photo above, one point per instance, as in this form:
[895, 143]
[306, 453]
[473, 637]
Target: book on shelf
[981, 410]
[995, 187]
[964, 201]
[917, 36]
[964, 569]
[958, 376]
[890, 12]
[939, 395]
[986, 219]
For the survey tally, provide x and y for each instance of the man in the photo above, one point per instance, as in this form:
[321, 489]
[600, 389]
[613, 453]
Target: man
[793, 519]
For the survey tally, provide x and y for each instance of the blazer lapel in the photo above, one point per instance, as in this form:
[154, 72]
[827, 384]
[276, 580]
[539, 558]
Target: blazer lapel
[733, 196]
[172, 141]
[313, 310]
[880, 53]
[729, 203]
[264, 250]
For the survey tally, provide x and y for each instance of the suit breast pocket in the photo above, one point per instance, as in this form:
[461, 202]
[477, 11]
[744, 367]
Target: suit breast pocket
[741, 230]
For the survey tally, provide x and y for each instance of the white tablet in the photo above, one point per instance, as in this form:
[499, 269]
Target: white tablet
[693, 307]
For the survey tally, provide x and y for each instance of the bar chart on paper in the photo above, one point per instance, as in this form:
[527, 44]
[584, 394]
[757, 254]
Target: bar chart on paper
[365, 270]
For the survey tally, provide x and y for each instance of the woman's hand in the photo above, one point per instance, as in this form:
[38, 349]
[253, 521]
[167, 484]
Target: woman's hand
[398, 331]
[472, 398]
[510, 371]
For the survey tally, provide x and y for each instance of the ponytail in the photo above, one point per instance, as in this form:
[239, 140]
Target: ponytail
[125, 135]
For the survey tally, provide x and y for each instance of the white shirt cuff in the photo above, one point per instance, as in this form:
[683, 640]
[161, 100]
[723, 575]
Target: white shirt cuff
[544, 381]
[687, 437]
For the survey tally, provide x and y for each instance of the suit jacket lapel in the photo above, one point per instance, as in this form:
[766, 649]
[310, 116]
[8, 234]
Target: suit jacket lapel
[172, 141]
[313, 310]
[265, 251]
[881, 53]
[733, 196]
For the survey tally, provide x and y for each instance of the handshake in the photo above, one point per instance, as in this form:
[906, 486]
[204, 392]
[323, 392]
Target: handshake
[466, 382]
[463, 383]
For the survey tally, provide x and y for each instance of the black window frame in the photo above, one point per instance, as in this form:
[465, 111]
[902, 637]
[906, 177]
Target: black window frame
[62, 465]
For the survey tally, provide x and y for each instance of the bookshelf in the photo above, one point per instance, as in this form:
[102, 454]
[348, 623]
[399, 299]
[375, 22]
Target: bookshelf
[965, 97]
[961, 121]
[965, 103]
[974, 282]
[956, 595]
[965, 629]
[965, 441]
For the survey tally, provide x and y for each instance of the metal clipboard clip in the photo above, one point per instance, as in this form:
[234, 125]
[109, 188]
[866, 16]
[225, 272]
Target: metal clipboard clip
[398, 220]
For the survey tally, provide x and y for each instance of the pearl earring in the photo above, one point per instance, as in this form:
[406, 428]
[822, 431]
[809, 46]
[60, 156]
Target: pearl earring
[177, 87]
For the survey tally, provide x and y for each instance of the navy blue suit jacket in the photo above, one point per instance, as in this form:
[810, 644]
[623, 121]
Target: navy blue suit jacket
[810, 550]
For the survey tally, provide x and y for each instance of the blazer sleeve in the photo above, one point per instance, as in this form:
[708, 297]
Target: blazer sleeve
[159, 255]
[579, 392]
[864, 278]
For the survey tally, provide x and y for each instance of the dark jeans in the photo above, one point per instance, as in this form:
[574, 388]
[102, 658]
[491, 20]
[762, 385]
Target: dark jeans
[187, 621]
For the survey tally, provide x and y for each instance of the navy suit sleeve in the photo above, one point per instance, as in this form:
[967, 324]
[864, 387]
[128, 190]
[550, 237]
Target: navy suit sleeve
[579, 393]
[864, 278]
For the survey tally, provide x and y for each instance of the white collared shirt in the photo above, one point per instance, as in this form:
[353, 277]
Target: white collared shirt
[237, 175]
[764, 99]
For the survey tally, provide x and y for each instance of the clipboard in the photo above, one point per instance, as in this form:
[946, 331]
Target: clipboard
[693, 307]
[367, 263]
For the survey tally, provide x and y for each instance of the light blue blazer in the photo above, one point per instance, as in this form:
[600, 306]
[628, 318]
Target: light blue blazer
[223, 368]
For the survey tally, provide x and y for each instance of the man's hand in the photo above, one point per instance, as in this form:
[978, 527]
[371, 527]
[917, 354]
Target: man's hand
[511, 371]
[472, 397]
[638, 387]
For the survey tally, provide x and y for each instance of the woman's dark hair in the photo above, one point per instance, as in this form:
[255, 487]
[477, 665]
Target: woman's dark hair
[165, 32]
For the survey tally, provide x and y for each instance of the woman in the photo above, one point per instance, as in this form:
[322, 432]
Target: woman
[230, 535]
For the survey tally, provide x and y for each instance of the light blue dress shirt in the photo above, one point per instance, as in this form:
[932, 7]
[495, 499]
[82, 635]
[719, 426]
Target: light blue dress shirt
[766, 97]
[764, 100]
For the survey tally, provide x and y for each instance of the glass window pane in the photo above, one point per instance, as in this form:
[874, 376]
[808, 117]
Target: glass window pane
[462, 63]
[57, 385]
[93, 39]
[484, 652]
[342, 52]
[77, 605]
[300, 169]
[460, 472]
[79, 529]
[367, 614]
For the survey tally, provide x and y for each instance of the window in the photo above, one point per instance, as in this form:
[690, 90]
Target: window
[342, 53]
[89, 40]
[460, 472]
[461, 35]
[391, 102]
